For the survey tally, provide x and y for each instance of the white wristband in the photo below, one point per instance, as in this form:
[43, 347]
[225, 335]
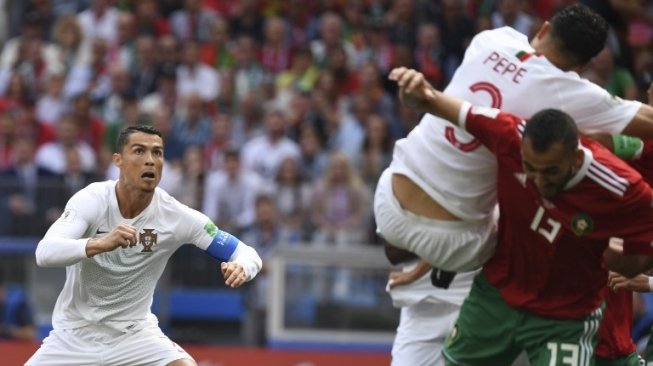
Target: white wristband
[650, 283]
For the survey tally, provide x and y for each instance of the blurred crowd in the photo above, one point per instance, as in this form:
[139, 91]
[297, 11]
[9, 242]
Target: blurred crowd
[276, 114]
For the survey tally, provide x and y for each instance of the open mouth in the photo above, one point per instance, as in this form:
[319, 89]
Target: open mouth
[148, 176]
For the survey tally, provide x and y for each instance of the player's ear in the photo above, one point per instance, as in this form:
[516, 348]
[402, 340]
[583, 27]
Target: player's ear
[117, 159]
[542, 32]
[579, 157]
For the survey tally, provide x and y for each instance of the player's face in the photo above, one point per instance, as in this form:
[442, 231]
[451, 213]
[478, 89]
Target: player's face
[141, 161]
[549, 171]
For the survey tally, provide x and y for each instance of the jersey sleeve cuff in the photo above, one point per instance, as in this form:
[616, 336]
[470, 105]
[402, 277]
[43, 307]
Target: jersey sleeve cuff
[462, 114]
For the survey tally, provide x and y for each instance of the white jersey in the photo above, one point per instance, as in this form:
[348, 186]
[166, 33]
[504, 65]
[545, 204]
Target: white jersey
[500, 70]
[115, 288]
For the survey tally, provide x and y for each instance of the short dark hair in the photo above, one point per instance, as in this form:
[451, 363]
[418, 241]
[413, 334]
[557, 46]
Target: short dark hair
[124, 134]
[549, 127]
[579, 33]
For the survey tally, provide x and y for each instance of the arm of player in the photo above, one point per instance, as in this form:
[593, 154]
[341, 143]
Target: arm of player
[639, 283]
[415, 90]
[642, 123]
[399, 278]
[628, 265]
[624, 147]
[63, 244]
[241, 263]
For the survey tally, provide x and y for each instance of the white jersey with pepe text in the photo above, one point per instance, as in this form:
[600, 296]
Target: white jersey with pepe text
[500, 70]
[116, 288]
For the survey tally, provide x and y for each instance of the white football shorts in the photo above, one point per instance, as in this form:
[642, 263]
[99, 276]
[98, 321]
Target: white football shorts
[457, 246]
[101, 345]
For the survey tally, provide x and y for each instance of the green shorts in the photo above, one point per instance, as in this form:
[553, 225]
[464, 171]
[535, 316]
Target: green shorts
[631, 360]
[490, 332]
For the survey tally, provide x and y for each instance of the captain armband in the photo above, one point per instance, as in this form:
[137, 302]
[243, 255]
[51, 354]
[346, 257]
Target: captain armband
[627, 147]
[223, 246]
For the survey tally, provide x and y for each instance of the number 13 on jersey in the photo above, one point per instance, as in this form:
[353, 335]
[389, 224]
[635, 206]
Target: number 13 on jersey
[548, 228]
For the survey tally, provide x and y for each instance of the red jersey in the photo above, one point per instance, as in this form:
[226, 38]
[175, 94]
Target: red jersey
[615, 339]
[548, 260]
[615, 332]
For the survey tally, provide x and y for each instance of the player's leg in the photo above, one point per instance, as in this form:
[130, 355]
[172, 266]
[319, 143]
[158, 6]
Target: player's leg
[431, 239]
[422, 330]
[147, 346]
[560, 342]
[485, 329]
[66, 348]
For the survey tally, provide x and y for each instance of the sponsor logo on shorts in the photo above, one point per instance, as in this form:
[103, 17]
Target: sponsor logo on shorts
[147, 239]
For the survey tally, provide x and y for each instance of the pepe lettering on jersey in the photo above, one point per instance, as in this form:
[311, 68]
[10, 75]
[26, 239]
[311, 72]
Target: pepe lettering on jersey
[505, 67]
[147, 239]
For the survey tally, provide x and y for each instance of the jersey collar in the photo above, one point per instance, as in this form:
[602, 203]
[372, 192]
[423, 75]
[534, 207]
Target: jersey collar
[588, 157]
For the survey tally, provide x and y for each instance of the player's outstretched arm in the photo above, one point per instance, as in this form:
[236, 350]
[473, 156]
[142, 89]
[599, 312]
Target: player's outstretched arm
[642, 124]
[415, 91]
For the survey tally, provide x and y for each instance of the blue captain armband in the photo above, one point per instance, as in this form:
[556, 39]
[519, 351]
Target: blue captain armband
[222, 246]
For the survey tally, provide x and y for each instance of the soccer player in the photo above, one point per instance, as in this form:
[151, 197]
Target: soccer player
[114, 238]
[437, 197]
[616, 347]
[562, 199]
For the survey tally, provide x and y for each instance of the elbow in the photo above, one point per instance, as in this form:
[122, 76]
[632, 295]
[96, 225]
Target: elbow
[41, 259]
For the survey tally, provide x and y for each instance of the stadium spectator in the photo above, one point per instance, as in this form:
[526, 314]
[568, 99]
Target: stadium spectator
[16, 320]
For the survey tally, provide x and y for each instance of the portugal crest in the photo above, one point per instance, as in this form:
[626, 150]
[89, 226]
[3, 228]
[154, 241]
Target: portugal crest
[147, 238]
[581, 224]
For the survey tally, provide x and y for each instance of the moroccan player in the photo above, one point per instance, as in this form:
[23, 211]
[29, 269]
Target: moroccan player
[562, 200]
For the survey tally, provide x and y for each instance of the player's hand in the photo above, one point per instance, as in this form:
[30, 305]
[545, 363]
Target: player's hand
[638, 283]
[413, 87]
[398, 278]
[122, 235]
[233, 273]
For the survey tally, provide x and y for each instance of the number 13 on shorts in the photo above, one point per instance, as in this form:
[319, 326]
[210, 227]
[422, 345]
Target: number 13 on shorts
[566, 353]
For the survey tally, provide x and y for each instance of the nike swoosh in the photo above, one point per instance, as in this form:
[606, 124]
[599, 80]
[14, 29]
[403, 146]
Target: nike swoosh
[100, 232]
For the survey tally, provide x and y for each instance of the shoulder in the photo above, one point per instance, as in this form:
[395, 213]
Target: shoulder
[611, 173]
[100, 188]
[503, 36]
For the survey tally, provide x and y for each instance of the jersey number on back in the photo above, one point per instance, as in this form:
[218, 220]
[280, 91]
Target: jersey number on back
[497, 99]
